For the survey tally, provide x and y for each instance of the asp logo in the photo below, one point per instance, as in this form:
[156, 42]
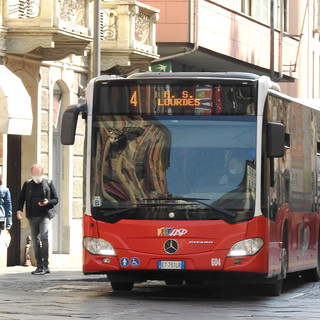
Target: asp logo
[171, 232]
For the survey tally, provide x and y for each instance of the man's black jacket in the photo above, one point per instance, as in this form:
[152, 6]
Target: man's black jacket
[49, 192]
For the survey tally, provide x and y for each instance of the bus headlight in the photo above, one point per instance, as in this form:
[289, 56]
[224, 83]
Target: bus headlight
[98, 246]
[247, 247]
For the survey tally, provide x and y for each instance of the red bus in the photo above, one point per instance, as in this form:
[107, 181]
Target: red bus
[198, 177]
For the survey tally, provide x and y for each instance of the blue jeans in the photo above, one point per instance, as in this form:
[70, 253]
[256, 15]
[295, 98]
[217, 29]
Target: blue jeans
[40, 239]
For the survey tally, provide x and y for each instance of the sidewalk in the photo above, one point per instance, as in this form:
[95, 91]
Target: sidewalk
[29, 269]
[21, 273]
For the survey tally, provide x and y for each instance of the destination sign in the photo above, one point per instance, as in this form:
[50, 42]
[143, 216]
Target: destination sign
[176, 99]
[171, 100]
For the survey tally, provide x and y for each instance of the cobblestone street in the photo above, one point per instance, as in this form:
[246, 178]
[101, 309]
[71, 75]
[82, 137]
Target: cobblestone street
[69, 294]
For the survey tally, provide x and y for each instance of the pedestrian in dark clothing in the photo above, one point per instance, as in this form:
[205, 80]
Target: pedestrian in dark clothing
[40, 197]
[5, 207]
[5, 213]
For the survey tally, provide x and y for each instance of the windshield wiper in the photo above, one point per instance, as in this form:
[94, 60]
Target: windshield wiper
[125, 209]
[139, 205]
[198, 200]
[117, 211]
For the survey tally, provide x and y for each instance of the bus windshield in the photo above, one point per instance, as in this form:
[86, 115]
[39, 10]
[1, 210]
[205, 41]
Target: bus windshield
[176, 149]
[173, 167]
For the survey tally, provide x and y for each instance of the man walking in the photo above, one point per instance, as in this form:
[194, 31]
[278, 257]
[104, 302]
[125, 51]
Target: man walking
[40, 197]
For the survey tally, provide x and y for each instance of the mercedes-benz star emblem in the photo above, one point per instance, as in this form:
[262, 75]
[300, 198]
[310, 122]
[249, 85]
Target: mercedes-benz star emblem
[171, 246]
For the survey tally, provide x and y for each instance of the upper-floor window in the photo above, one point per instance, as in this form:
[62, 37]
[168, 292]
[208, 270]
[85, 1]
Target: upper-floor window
[258, 9]
[316, 15]
[261, 10]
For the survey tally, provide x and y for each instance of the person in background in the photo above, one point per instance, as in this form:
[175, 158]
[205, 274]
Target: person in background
[40, 197]
[5, 207]
[235, 173]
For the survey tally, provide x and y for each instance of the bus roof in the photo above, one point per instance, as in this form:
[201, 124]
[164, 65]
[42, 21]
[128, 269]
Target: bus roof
[195, 75]
[312, 103]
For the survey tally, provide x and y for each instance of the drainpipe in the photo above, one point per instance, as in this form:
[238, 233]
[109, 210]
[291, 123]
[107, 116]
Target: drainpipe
[195, 47]
[281, 38]
[272, 30]
[96, 40]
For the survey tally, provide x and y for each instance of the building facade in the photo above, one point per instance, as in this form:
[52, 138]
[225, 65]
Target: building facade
[239, 35]
[49, 46]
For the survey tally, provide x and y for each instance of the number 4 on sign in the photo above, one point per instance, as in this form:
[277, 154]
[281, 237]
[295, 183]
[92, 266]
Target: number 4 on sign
[134, 98]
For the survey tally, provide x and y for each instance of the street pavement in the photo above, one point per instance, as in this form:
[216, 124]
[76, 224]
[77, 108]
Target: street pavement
[50, 296]
[68, 294]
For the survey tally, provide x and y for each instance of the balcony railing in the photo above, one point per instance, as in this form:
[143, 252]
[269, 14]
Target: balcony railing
[128, 37]
[51, 29]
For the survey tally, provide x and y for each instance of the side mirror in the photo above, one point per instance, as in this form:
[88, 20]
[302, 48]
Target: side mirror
[69, 123]
[275, 140]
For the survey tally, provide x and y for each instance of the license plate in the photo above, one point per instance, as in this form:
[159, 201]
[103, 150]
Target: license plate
[171, 265]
